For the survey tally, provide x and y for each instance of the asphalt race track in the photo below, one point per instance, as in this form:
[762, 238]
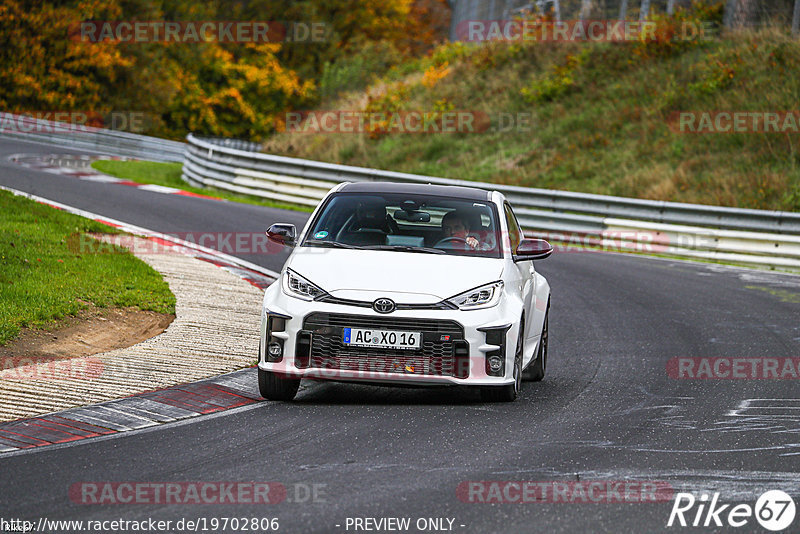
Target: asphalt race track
[607, 410]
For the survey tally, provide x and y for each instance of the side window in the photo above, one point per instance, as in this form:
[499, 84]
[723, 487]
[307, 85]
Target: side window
[514, 233]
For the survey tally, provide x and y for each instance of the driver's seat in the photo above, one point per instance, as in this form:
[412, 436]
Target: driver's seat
[370, 227]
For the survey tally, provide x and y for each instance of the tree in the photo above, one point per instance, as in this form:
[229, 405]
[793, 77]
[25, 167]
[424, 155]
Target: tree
[644, 11]
[225, 89]
[586, 8]
[623, 10]
[42, 70]
[227, 95]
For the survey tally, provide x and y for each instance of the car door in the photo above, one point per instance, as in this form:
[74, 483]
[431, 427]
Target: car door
[525, 270]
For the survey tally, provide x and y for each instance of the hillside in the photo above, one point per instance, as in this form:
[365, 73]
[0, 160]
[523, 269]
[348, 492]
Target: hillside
[602, 116]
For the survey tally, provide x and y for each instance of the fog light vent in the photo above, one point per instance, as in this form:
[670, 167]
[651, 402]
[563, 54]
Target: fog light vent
[495, 360]
[274, 351]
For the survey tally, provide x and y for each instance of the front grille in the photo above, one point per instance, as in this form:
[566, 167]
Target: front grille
[435, 356]
[329, 299]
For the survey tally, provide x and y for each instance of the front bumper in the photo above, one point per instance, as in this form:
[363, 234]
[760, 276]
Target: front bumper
[457, 343]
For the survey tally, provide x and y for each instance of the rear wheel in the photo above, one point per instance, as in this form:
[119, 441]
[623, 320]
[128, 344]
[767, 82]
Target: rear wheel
[535, 371]
[509, 392]
[277, 387]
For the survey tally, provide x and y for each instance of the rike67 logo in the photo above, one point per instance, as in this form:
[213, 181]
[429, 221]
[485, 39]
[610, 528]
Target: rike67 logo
[774, 510]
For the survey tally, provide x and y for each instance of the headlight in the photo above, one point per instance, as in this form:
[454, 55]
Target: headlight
[297, 286]
[480, 297]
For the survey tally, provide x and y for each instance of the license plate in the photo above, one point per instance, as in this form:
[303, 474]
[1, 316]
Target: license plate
[385, 339]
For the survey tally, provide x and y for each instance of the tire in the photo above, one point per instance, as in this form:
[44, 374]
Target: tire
[509, 392]
[535, 371]
[274, 386]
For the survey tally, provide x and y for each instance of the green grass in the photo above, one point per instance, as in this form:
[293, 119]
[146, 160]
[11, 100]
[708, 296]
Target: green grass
[44, 277]
[169, 175]
[600, 119]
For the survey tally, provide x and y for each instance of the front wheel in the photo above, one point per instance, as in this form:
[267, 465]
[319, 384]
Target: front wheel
[509, 392]
[277, 387]
[536, 369]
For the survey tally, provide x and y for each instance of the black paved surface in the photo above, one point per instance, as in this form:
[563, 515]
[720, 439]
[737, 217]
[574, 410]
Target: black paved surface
[606, 411]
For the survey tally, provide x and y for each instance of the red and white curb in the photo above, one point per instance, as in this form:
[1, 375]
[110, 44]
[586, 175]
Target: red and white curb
[138, 411]
[80, 167]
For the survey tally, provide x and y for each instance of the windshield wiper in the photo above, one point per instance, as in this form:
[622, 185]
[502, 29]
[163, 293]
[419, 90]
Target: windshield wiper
[330, 244]
[406, 248]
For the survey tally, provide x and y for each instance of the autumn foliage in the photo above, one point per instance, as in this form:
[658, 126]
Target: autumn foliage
[210, 88]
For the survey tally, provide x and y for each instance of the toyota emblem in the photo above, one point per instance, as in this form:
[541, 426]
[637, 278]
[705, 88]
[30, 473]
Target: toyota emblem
[383, 306]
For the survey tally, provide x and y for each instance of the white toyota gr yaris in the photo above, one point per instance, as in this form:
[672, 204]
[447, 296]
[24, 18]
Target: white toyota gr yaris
[406, 284]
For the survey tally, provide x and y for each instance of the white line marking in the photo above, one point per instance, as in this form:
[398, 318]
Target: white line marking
[103, 178]
[158, 188]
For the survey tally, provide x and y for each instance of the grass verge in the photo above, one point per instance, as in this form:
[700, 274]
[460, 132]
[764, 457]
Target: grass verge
[600, 118]
[43, 278]
[169, 175]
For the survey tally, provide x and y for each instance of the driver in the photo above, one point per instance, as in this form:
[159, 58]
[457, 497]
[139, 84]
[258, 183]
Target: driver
[456, 224]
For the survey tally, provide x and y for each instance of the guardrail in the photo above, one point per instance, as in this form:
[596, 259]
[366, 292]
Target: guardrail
[768, 238]
[102, 140]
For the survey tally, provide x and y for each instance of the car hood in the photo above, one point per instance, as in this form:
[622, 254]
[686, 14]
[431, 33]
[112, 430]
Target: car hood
[406, 277]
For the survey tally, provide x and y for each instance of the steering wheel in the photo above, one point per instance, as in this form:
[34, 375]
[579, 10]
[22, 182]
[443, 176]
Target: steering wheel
[452, 239]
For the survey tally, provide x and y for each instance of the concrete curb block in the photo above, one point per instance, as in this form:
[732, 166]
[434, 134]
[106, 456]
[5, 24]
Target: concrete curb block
[142, 410]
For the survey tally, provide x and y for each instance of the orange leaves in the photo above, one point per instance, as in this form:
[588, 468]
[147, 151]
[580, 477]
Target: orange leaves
[42, 70]
[432, 76]
[210, 88]
[234, 94]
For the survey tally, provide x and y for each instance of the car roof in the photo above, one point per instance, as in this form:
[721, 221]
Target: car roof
[466, 193]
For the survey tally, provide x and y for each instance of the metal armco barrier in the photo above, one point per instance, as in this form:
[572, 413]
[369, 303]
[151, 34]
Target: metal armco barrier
[759, 237]
[112, 142]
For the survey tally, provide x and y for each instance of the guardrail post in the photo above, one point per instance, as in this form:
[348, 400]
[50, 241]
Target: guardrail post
[796, 19]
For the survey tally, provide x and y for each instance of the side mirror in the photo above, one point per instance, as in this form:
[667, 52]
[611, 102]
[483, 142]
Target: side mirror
[533, 249]
[282, 234]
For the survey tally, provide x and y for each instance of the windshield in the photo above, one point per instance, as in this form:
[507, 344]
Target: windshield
[407, 223]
